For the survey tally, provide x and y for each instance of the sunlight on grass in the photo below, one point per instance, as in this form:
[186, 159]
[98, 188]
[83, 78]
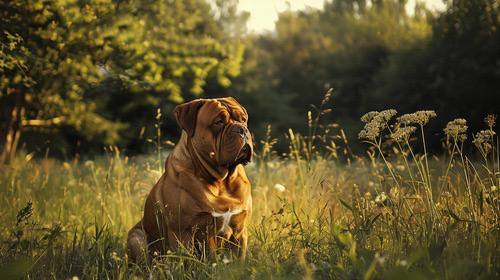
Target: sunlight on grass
[319, 210]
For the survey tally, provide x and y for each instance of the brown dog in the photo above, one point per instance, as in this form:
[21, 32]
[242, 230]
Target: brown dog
[203, 199]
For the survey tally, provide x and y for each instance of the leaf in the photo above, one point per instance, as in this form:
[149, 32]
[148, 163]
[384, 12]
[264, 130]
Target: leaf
[346, 205]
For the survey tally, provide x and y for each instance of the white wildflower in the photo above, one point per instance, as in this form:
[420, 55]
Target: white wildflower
[279, 187]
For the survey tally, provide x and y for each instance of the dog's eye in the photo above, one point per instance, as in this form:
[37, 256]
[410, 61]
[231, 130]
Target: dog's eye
[219, 122]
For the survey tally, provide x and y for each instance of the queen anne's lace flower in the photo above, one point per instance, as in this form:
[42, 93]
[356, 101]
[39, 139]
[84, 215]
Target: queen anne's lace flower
[403, 133]
[375, 122]
[457, 129]
[419, 117]
[483, 140]
[490, 120]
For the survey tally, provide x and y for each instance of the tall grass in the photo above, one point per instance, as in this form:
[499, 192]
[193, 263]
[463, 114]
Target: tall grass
[319, 211]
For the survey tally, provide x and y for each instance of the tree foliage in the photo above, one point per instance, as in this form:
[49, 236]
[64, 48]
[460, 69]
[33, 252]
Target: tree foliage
[56, 53]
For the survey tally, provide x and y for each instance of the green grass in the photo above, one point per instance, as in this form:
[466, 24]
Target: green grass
[404, 215]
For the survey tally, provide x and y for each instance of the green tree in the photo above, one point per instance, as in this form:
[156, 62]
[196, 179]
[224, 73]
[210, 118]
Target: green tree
[454, 72]
[157, 52]
[63, 43]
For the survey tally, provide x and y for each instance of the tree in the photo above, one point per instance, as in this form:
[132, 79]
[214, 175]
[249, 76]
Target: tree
[454, 72]
[165, 50]
[63, 43]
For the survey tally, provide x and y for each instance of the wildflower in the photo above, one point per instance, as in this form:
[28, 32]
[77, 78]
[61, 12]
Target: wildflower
[368, 196]
[490, 120]
[400, 167]
[368, 117]
[381, 198]
[401, 263]
[115, 256]
[371, 184]
[456, 129]
[225, 260]
[375, 123]
[279, 187]
[386, 115]
[403, 133]
[394, 192]
[214, 264]
[446, 194]
[493, 188]
[371, 131]
[66, 166]
[483, 140]
[419, 117]
[379, 258]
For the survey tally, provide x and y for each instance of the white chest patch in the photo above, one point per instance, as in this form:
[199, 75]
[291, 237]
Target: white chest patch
[226, 217]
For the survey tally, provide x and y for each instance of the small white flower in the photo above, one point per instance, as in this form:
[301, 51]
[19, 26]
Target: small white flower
[371, 184]
[279, 187]
[400, 167]
[379, 258]
[75, 278]
[402, 263]
[225, 260]
[381, 198]
[493, 188]
[214, 264]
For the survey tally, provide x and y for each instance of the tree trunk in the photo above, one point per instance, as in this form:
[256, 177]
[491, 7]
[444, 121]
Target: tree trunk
[12, 114]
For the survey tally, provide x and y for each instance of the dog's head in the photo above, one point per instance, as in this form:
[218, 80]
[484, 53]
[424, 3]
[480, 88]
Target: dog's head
[217, 128]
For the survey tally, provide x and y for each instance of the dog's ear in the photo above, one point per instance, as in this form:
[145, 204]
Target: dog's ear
[186, 114]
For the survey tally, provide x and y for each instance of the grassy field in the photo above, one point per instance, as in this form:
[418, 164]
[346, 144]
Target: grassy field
[319, 210]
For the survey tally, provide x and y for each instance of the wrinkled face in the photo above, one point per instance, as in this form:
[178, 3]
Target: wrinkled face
[218, 130]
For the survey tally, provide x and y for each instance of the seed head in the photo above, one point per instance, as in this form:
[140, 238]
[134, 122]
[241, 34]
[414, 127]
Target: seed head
[403, 133]
[490, 120]
[368, 117]
[483, 140]
[419, 117]
[386, 115]
[456, 129]
[371, 131]
[375, 122]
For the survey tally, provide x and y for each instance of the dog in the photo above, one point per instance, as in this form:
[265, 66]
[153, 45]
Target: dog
[203, 199]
